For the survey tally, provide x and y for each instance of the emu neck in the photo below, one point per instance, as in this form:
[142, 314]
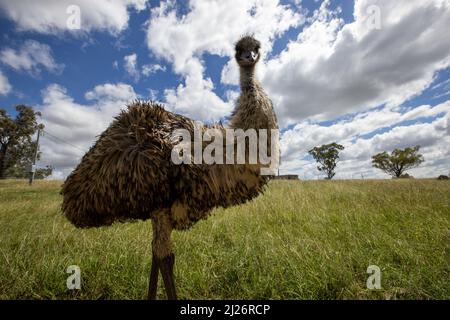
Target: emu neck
[254, 108]
[248, 79]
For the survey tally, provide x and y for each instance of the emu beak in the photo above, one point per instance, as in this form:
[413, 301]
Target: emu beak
[249, 56]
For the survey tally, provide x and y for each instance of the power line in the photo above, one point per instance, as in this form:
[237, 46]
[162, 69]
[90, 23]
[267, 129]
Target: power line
[63, 141]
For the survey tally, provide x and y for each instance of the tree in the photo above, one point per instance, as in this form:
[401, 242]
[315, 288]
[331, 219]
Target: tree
[398, 161]
[327, 157]
[22, 172]
[16, 145]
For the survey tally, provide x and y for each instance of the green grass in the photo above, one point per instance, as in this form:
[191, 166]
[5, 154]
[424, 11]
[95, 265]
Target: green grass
[300, 240]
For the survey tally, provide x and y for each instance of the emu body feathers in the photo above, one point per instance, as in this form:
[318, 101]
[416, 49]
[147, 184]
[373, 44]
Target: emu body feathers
[128, 174]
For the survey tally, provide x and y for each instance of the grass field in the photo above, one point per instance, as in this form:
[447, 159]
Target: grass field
[300, 240]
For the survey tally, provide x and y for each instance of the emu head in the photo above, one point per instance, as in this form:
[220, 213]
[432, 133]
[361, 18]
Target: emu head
[247, 51]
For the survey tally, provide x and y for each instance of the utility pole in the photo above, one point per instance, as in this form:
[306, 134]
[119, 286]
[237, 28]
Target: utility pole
[279, 162]
[33, 165]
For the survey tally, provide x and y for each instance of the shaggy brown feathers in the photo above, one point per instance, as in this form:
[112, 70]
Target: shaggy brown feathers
[128, 174]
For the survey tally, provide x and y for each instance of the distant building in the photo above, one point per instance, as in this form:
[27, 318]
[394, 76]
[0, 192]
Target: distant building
[286, 177]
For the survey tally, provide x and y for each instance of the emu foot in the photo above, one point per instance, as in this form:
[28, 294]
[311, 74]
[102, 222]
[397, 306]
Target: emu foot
[153, 282]
[166, 266]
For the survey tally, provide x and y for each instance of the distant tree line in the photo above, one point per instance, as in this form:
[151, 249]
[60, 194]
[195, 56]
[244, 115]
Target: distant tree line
[17, 149]
[394, 164]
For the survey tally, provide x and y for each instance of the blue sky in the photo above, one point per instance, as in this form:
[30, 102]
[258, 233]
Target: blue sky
[329, 76]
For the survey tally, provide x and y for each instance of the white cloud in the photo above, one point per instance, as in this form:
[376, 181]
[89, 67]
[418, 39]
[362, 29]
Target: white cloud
[77, 124]
[444, 84]
[433, 137]
[307, 134]
[5, 87]
[130, 64]
[149, 69]
[134, 71]
[210, 27]
[153, 94]
[197, 100]
[332, 68]
[49, 16]
[109, 92]
[31, 57]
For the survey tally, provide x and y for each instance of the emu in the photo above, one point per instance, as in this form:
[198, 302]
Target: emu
[128, 173]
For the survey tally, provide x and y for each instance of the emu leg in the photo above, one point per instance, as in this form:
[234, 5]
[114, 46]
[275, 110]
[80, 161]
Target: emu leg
[167, 274]
[162, 254]
[153, 282]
